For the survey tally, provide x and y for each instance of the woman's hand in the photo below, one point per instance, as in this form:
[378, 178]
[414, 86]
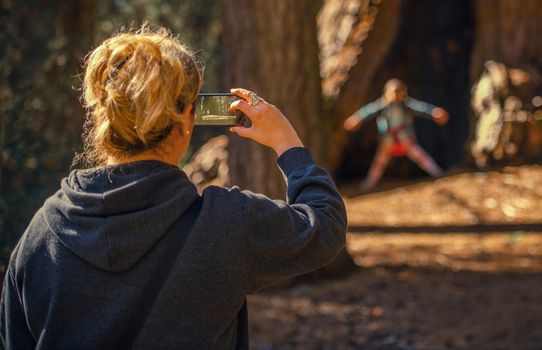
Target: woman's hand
[440, 116]
[352, 123]
[269, 126]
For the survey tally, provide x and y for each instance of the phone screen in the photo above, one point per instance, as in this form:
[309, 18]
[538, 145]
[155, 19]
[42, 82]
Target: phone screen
[213, 109]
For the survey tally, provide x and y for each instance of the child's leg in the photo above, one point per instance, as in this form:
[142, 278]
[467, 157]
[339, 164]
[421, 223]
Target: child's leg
[380, 161]
[424, 160]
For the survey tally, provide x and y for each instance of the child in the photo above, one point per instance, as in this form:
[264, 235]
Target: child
[395, 123]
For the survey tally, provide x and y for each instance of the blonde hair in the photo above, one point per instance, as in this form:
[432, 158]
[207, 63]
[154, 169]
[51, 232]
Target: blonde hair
[135, 87]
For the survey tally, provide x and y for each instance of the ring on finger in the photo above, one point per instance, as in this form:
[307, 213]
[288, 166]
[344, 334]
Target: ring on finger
[254, 99]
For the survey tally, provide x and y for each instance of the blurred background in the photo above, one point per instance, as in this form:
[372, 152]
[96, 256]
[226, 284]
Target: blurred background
[452, 262]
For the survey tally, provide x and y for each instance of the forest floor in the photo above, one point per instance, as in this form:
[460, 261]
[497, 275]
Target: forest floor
[447, 263]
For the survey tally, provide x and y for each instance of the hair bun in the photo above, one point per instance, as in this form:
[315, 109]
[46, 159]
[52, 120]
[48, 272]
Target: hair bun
[131, 87]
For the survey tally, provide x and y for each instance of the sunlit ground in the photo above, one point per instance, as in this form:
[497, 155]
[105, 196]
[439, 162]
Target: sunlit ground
[492, 252]
[454, 262]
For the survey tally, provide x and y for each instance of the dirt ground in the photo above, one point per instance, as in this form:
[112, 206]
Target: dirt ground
[450, 263]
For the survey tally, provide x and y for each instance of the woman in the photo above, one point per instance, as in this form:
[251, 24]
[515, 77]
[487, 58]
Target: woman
[395, 123]
[80, 273]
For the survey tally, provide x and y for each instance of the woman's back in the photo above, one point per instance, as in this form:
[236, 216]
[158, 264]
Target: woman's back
[76, 275]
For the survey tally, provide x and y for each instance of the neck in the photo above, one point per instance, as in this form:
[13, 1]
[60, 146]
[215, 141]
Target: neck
[142, 156]
[170, 151]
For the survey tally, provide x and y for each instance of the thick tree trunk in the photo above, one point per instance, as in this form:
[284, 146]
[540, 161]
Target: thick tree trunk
[347, 85]
[509, 32]
[384, 20]
[270, 47]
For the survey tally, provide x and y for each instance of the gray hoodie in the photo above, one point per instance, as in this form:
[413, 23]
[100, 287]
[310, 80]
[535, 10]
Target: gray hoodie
[76, 272]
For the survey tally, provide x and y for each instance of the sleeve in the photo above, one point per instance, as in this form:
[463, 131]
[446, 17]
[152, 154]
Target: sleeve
[14, 332]
[285, 239]
[421, 107]
[369, 110]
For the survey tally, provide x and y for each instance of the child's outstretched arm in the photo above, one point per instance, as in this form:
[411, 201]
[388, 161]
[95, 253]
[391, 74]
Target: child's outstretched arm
[362, 114]
[439, 115]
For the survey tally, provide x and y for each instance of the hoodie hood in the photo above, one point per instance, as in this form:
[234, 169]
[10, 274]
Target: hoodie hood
[112, 216]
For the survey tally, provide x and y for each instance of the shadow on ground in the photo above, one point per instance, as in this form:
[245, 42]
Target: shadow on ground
[448, 263]
[402, 307]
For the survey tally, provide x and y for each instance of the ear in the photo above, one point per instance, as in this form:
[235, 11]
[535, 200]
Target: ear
[187, 121]
[187, 114]
[188, 110]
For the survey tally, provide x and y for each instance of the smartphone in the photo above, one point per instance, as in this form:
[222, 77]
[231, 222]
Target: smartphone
[213, 109]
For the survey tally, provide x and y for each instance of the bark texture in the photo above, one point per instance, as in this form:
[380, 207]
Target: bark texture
[351, 66]
[374, 34]
[270, 47]
[509, 32]
[507, 66]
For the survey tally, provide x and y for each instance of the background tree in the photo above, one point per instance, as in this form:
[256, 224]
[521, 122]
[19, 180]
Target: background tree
[508, 32]
[507, 65]
[42, 45]
[270, 47]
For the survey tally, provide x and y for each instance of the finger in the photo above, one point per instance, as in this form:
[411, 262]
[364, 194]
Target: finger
[243, 93]
[244, 107]
[241, 131]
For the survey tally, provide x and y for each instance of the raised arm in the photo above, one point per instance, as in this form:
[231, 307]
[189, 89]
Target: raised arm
[285, 239]
[420, 107]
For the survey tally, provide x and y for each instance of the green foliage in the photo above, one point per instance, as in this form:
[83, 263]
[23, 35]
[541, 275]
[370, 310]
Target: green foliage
[196, 21]
[42, 45]
[40, 121]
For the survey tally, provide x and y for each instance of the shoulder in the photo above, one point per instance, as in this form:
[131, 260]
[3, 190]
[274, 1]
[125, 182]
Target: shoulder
[222, 201]
[217, 193]
[31, 243]
[228, 196]
[379, 102]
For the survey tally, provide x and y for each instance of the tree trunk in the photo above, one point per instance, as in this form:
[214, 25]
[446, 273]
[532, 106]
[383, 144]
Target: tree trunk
[507, 54]
[351, 72]
[509, 32]
[270, 47]
[384, 20]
